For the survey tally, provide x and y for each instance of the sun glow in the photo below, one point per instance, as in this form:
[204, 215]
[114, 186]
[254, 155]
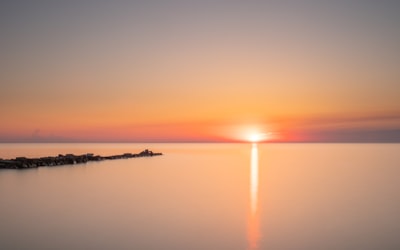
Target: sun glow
[248, 133]
[257, 137]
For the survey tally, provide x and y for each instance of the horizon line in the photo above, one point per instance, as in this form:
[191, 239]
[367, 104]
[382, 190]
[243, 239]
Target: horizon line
[189, 142]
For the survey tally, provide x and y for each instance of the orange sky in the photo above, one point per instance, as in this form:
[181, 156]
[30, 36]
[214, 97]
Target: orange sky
[205, 71]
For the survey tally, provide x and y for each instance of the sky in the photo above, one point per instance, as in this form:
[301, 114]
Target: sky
[199, 71]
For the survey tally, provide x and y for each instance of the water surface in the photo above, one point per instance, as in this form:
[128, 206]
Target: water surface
[204, 196]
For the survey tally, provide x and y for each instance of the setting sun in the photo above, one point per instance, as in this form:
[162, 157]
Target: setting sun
[257, 137]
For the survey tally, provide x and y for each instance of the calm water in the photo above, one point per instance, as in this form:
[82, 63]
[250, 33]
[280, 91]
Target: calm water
[205, 196]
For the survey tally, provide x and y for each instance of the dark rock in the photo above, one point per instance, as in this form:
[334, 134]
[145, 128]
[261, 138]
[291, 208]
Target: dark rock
[68, 159]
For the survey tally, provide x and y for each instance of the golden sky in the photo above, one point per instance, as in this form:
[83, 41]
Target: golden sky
[199, 70]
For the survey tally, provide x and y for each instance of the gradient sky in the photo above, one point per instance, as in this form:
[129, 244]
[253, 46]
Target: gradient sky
[199, 70]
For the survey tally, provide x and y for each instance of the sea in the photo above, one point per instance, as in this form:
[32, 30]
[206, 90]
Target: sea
[204, 196]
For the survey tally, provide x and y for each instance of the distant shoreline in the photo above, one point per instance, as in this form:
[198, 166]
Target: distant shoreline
[68, 159]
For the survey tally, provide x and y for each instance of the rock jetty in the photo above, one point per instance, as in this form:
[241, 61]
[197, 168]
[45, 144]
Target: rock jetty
[68, 159]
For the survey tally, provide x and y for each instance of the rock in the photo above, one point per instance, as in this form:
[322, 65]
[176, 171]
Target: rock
[68, 159]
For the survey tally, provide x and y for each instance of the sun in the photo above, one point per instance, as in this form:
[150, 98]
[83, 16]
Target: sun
[257, 137]
[249, 133]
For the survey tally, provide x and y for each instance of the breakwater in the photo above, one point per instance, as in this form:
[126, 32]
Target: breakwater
[68, 159]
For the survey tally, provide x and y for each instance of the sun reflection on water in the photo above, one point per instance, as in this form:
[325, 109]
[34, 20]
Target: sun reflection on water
[253, 230]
